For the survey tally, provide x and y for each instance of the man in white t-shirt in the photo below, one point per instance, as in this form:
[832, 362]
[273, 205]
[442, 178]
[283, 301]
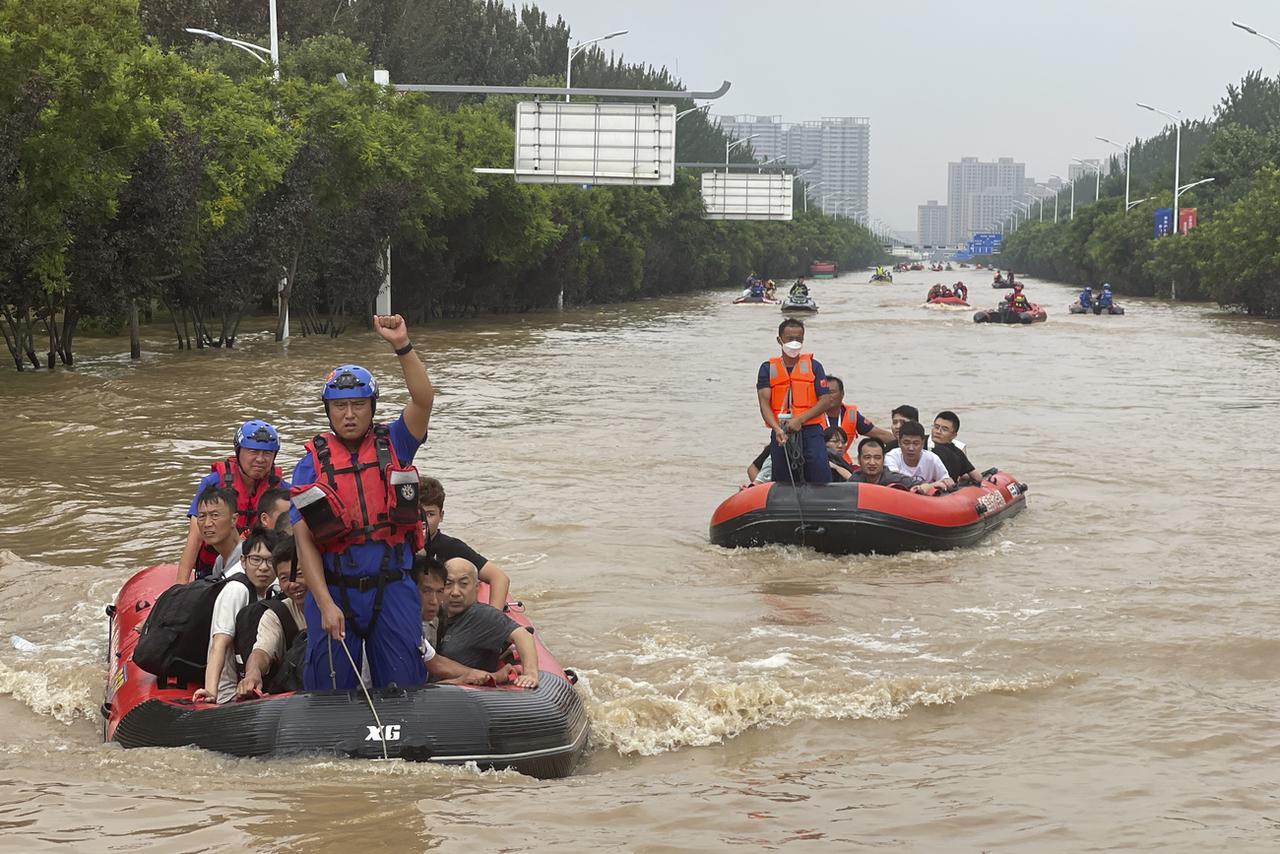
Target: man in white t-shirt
[911, 459]
[256, 567]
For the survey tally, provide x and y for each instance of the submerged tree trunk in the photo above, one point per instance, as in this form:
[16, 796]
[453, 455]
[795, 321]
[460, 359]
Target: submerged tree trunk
[29, 338]
[12, 341]
[135, 338]
[70, 320]
[184, 343]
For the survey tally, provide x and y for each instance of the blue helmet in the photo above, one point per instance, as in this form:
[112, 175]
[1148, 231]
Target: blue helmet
[257, 435]
[348, 381]
[1106, 286]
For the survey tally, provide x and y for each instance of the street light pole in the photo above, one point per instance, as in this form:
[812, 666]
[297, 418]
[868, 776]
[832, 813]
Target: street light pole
[578, 48]
[1126, 166]
[1252, 31]
[275, 40]
[1097, 172]
[807, 188]
[1177, 152]
[730, 146]
[1059, 192]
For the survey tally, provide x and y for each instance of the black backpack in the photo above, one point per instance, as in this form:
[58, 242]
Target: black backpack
[287, 675]
[285, 671]
[174, 640]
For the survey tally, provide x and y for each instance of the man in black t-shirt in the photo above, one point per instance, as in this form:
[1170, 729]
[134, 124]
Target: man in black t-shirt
[945, 427]
[443, 547]
[477, 634]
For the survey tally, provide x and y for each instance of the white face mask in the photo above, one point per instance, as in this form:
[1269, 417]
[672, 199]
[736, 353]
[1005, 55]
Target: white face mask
[793, 348]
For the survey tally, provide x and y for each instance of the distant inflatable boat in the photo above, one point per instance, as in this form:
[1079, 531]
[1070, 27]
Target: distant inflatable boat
[822, 270]
[1077, 308]
[542, 732]
[1003, 314]
[849, 518]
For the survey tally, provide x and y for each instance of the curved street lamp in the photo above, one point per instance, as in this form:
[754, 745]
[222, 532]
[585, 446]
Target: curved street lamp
[577, 49]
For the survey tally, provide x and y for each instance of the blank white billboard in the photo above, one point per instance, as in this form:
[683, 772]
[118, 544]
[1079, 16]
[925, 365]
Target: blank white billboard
[595, 143]
[747, 195]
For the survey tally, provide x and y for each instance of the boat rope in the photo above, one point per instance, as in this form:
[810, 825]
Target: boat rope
[356, 670]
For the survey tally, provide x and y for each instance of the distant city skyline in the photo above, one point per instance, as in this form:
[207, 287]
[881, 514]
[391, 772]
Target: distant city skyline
[943, 80]
[835, 150]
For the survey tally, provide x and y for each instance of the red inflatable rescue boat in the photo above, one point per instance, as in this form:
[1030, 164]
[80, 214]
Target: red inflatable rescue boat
[852, 518]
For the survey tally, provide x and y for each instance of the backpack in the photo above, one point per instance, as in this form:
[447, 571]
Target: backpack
[247, 622]
[174, 640]
[287, 675]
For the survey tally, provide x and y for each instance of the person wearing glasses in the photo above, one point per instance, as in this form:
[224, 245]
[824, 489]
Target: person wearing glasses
[251, 471]
[356, 526]
[253, 578]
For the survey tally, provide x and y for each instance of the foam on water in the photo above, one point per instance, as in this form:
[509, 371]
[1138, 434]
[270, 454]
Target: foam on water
[636, 717]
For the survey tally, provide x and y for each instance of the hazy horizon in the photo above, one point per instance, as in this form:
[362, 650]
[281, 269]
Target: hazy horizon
[1060, 73]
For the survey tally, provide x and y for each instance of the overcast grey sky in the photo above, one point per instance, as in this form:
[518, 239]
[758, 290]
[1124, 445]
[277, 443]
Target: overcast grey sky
[1033, 79]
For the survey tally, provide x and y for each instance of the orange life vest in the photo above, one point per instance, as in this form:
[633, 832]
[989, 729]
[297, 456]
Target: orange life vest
[230, 475]
[849, 424]
[368, 496]
[792, 391]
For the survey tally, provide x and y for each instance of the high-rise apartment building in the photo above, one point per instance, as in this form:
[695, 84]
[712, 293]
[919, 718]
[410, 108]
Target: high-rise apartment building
[931, 224]
[980, 193]
[837, 148]
[769, 132]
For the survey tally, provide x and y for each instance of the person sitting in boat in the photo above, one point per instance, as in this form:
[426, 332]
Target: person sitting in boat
[793, 394]
[960, 290]
[770, 290]
[271, 633]
[998, 279]
[272, 511]
[911, 458]
[899, 416]
[939, 291]
[1106, 300]
[443, 547]
[847, 417]
[871, 468]
[1017, 301]
[431, 576]
[357, 526]
[1086, 298]
[249, 472]
[946, 424]
[216, 518]
[755, 289]
[837, 441]
[249, 580]
[800, 289]
[476, 634]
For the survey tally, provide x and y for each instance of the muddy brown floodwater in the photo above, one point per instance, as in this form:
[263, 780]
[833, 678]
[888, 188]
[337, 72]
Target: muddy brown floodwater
[1100, 674]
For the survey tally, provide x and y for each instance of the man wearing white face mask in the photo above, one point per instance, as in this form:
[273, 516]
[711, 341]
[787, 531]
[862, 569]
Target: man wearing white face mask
[794, 396]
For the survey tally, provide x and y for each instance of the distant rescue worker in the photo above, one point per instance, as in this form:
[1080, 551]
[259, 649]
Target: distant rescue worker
[1017, 300]
[1106, 300]
[1086, 298]
[356, 526]
[794, 397]
[250, 471]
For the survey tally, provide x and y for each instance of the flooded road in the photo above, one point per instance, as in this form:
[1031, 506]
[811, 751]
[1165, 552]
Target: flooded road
[1099, 674]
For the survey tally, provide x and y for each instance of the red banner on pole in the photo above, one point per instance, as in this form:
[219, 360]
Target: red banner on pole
[1186, 219]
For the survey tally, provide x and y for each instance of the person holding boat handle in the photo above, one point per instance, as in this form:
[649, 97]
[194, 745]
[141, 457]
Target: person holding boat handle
[356, 526]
